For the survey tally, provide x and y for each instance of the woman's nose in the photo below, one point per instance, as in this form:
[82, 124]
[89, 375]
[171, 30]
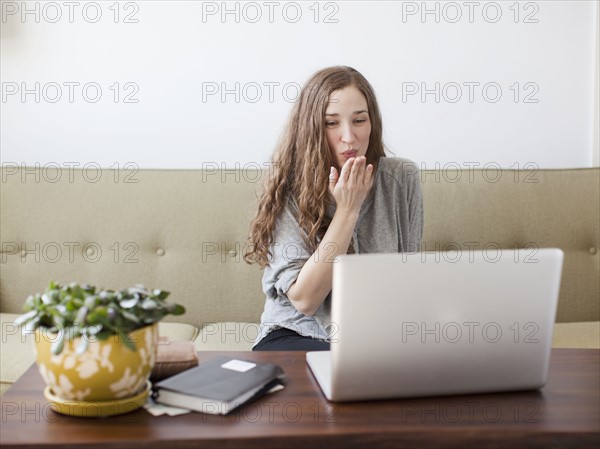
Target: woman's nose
[347, 134]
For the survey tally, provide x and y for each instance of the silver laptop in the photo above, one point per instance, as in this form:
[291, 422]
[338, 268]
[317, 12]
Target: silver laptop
[425, 324]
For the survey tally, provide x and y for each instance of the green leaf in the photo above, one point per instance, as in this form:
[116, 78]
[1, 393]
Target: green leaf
[129, 303]
[61, 308]
[104, 334]
[106, 296]
[81, 315]
[89, 289]
[56, 316]
[99, 311]
[83, 345]
[112, 313]
[54, 295]
[24, 318]
[90, 302]
[58, 345]
[70, 303]
[32, 325]
[149, 304]
[29, 303]
[138, 289]
[127, 340]
[161, 294]
[76, 291]
[178, 310]
[130, 316]
[93, 330]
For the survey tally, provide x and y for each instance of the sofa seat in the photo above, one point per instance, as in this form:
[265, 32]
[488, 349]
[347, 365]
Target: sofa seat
[17, 353]
[231, 336]
[226, 336]
[583, 334]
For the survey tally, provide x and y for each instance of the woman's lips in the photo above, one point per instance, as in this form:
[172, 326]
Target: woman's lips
[350, 153]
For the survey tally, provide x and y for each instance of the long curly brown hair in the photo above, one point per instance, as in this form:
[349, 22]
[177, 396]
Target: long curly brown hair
[302, 160]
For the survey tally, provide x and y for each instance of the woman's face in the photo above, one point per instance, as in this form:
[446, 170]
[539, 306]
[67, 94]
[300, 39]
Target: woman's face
[347, 125]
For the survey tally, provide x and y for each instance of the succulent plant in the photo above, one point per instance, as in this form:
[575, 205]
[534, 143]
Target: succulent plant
[76, 310]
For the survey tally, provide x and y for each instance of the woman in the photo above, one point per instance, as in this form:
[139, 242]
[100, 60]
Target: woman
[332, 191]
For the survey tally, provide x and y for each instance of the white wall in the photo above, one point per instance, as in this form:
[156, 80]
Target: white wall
[596, 122]
[173, 54]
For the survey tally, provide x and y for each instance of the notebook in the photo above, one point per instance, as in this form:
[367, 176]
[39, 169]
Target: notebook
[218, 385]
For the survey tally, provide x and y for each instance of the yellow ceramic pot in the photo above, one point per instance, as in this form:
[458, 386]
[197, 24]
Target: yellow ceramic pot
[106, 371]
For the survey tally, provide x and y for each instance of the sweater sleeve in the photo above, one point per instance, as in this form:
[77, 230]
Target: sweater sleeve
[415, 207]
[289, 253]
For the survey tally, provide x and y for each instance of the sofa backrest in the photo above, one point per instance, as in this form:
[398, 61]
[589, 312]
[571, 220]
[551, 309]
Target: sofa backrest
[523, 209]
[184, 231]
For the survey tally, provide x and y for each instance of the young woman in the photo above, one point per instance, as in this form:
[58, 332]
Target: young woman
[331, 191]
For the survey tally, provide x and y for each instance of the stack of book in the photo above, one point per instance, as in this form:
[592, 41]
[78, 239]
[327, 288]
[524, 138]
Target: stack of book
[218, 385]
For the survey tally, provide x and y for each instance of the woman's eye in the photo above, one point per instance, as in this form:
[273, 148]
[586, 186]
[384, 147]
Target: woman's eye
[330, 124]
[360, 120]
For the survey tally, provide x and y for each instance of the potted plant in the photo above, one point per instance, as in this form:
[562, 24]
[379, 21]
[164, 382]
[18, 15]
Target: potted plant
[96, 349]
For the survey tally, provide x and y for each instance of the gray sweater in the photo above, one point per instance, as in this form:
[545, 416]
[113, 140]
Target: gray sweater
[390, 220]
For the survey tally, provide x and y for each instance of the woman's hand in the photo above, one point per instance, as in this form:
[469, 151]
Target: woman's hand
[350, 187]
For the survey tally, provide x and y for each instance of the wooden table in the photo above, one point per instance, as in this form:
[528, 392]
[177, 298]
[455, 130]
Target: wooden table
[565, 413]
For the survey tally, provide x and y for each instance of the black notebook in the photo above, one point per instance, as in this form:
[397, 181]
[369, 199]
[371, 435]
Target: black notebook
[218, 385]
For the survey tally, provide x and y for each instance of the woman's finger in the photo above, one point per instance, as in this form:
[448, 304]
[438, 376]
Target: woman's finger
[333, 179]
[357, 171]
[346, 169]
[369, 178]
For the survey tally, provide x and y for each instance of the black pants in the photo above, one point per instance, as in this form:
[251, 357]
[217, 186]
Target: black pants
[288, 340]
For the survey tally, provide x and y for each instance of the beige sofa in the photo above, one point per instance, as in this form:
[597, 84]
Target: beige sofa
[184, 231]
